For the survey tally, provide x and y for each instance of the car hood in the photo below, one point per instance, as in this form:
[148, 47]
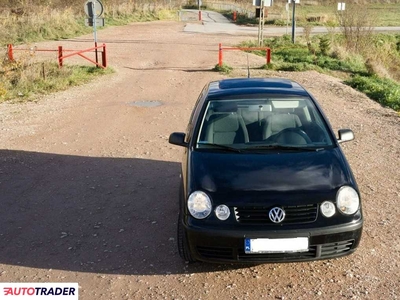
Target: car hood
[218, 172]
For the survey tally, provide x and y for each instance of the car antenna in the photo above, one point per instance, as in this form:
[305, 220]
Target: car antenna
[248, 66]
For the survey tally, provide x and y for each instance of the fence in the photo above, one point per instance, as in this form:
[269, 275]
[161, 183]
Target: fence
[61, 56]
[221, 49]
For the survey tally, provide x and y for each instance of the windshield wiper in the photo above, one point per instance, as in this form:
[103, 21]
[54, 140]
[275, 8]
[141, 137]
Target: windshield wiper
[282, 147]
[222, 147]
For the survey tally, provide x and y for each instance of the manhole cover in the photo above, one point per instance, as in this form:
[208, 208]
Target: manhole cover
[145, 103]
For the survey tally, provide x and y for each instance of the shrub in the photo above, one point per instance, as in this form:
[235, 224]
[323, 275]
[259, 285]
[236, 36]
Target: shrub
[324, 45]
[357, 27]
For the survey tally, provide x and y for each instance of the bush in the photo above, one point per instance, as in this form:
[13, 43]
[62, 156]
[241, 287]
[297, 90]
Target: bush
[324, 45]
[357, 26]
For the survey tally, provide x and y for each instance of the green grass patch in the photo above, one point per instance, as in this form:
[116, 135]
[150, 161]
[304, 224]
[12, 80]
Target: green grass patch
[383, 90]
[24, 83]
[287, 56]
[226, 69]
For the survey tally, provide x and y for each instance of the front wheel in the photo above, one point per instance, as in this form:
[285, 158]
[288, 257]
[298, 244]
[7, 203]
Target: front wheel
[183, 246]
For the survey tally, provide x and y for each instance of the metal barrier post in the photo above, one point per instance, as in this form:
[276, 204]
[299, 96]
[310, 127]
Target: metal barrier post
[10, 52]
[104, 56]
[96, 54]
[60, 58]
[268, 54]
[234, 16]
[199, 15]
[220, 55]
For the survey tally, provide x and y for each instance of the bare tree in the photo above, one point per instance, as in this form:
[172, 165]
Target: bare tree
[356, 25]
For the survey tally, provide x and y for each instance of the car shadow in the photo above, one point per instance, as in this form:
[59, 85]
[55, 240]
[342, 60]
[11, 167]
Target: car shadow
[91, 214]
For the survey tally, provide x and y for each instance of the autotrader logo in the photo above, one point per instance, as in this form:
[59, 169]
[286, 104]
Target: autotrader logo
[277, 215]
[42, 291]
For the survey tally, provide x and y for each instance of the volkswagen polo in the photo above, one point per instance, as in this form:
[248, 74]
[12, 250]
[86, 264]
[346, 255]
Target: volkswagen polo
[263, 177]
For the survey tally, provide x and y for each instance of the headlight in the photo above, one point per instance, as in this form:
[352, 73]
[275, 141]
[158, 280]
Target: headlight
[347, 200]
[222, 212]
[328, 209]
[199, 205]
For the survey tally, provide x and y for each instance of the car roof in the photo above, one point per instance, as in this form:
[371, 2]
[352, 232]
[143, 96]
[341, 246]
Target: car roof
[244, 86]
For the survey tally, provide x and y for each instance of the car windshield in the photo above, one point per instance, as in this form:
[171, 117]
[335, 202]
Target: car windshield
[278, 122]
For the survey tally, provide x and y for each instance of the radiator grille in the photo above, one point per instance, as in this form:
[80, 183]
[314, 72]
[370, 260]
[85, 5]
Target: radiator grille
[259, 214]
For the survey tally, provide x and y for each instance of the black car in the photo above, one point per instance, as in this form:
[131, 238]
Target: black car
[264, 178]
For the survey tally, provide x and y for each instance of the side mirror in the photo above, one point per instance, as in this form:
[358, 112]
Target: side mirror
[178, 138]
[345, 135]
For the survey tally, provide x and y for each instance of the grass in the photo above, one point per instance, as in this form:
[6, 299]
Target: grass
[117, 17]
[25, 82]
[383, 90]
[48, 25]
[385, 14]
[226, 69]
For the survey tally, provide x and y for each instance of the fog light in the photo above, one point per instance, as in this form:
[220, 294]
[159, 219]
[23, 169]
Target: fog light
[222, 212]
[328, 209]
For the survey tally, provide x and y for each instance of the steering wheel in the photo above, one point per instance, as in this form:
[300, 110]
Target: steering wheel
[292, 136]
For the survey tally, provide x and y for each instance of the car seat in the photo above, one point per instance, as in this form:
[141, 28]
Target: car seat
[226, 128]
[276, 123]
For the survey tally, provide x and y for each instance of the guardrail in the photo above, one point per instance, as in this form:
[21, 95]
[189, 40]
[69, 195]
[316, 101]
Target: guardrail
[221, 49]
[61, 56]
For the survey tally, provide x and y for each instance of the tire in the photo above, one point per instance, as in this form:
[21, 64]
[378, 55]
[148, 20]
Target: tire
[183, 246]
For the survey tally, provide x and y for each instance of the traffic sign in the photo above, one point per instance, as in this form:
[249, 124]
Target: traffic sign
[265, 2]
[99, 22]
[93, 8]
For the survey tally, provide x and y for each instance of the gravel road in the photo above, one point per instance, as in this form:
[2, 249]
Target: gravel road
[89, 182]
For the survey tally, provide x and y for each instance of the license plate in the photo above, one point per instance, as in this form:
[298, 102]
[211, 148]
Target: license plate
[299, 244]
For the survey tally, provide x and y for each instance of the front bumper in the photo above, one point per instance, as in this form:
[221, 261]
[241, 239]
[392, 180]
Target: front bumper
[227, 246]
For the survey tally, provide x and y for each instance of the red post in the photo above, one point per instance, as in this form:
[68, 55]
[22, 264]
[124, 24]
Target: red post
[199, 15]
[268, 54]
[60, 58]
[234, 16]
[10, 52]
[220, 55]
[104, 56]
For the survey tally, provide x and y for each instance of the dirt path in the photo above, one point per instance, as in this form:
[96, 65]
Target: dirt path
[89, 182]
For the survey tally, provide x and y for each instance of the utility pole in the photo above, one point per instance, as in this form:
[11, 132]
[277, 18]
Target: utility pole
[261, 23]
[294, 21]
[262, 4]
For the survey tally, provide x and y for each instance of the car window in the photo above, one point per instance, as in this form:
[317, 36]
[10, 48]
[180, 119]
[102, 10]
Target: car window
[195, 113]
[278, 120]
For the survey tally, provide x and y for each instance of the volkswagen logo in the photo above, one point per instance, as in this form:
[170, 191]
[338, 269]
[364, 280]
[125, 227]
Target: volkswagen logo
[277, 215]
